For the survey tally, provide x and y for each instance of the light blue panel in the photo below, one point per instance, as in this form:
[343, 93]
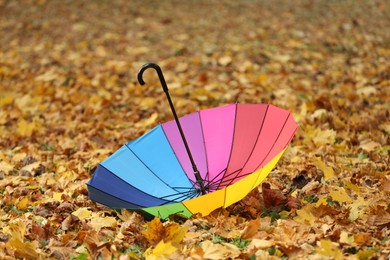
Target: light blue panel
[124, 164]
[155, 151]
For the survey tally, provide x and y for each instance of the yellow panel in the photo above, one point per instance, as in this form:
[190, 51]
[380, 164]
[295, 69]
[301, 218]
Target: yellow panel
[240, 189]
[205, 204]
[268, 168]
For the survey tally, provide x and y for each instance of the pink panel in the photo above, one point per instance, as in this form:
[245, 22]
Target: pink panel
[273, 124]
[249, 118]
[218, 127]
[283, 140]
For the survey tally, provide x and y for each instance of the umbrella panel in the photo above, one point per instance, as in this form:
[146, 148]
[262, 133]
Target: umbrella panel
[153, 173]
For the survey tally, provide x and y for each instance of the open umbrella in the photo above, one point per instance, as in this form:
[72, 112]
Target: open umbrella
[197, 163]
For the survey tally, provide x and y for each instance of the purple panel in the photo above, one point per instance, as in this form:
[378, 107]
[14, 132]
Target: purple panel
[193, 132]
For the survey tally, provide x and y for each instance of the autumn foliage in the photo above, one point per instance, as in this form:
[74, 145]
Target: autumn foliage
[69, 98]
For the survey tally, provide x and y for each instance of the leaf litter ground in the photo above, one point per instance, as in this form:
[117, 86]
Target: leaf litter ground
[69, 98]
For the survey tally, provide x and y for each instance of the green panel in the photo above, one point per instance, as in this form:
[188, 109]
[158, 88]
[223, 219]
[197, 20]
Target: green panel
[164, 211]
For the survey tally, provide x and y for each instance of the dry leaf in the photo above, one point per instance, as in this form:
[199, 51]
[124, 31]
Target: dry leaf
[98, 222]
[251, 229]
[305, 216]
[16, 244]
[273, 198]
[328, 171]
[161, 250]
[219, 251]
[327, 248]
[340, 195]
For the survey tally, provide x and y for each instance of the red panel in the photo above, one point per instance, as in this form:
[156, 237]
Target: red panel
[274, 122]
[249, 119]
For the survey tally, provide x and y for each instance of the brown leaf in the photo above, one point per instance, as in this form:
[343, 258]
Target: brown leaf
[272, 198]
[251, 229]
[293, 203]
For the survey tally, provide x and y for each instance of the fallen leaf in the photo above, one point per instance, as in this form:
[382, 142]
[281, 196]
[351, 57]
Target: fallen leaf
[251, 229]
[369, 145]
[154, 232]
[272, 198]
[328, 171]
[23, 203]
[161, 250]
[261, 243]
[305, 216]
[25, 129]
[175, 233]
[340, 195]
[98, 222]
[327, 248]
[82, 213]
[219, 251]
[225, 60]
[346, 239]
[16, 244]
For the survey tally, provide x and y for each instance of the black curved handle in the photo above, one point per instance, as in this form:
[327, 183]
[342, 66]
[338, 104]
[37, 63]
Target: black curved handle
[159, 73]
[165, 88]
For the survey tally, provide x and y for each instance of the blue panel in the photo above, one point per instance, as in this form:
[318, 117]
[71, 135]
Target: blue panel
[108, 200]
[124, 164]
[154, 150]
[109, 183]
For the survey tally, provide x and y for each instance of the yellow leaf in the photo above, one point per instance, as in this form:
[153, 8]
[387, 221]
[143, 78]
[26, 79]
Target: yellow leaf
[385, 127]
[154, 232]
[340, 195]
[356, 208]
[170, 232]
[175, 233]
[16, 230]
[57, 196]
[219, 251]
[321, 201]
[304, 216]
[326, 248]
[82, 213]
[6, 99]
[225, 60]
[328, 171]
[148, 121]
[320, 137]
[25, 129]
[98, 222]
[351, 186]
[22, 204]
[261, 243]
[147, 102]
[15, 244]
[161, 250]
[344, 238]
[5, 167]
[262, 78]
[23, 249]
[32, 166]
[363, 255]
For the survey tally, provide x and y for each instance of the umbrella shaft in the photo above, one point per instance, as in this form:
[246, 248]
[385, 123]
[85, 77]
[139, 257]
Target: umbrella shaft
[165, 88]
[195, 169]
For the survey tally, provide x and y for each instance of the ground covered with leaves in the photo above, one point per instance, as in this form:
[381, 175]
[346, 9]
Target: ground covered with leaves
[69, 98]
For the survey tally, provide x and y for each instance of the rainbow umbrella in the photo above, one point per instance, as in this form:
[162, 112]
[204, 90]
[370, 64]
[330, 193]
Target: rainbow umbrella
[197, 163]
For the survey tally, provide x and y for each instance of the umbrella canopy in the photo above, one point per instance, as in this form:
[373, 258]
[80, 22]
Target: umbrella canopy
[197, 163]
